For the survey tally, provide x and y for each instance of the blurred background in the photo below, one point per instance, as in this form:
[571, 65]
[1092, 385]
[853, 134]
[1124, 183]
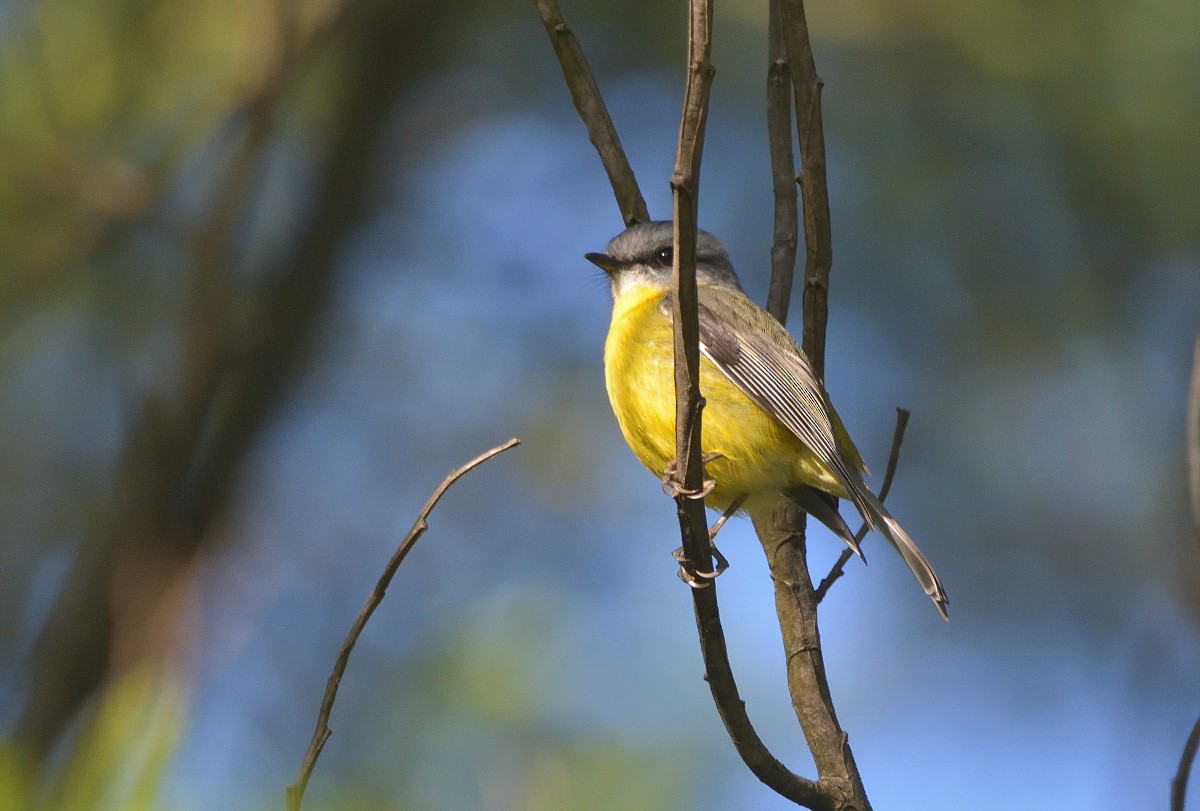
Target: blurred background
[271, 271]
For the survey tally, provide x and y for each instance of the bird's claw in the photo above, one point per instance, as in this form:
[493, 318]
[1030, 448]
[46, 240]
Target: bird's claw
[674, 488]
[700, 580]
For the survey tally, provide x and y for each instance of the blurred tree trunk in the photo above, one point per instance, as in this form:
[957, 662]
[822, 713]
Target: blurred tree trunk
[121, 601]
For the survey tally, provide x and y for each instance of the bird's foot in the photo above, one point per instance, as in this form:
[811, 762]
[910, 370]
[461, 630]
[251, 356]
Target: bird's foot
[700, 580]
[674, 488]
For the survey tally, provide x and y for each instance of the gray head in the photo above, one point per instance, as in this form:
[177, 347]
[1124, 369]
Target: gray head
[643, 254]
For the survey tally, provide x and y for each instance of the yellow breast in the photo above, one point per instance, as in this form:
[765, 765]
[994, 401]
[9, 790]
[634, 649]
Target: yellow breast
[758, 455]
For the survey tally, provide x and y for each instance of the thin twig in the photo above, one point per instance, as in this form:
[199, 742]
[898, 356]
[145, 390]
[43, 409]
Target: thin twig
[1179, 784]
[783, 170]
[593, 112]
[295, 792]
[839, 568]
[818, 240]
[692, 523]
[685, 186]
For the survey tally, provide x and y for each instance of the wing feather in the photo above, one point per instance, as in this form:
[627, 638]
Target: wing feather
[766, 364]
[777, 376]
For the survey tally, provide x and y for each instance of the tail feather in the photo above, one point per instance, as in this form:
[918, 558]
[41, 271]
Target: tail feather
[823, 507]
[891, 529]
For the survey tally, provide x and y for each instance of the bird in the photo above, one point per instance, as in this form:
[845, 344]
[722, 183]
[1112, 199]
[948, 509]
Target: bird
[769, 428]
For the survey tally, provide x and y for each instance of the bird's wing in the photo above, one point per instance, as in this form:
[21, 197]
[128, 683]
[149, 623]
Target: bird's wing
[764, 362]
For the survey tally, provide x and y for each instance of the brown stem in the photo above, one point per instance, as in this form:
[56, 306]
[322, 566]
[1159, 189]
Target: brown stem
[692, 523]
[818, 241]
[295, 792]
[783, 172]
[781, 531]
[593, 112]
[782, 536]
[1193, 438]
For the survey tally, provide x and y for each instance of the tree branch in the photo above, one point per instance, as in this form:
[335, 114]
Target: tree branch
[818, 240]
[593, 112]
[841, 788]
[1179, 784]
[295, 792]
[689, 403]
[783, 171]
[781, 531]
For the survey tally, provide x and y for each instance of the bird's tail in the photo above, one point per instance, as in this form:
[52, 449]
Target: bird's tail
[877, 515]
[823, 507]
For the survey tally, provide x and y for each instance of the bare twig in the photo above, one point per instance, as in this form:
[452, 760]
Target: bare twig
[1179, 784]
[782, 530]
[685, 183]
[839, 568]
[818, 241]
[692, 523]
[295, 792]
[783, 171]
[594, 113]
[1193, 438]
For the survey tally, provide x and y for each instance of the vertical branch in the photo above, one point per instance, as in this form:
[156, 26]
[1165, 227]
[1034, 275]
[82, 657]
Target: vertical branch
[781, 531]
[818, 241]
[1180, 782]
[685, 184]
[689, 403]
[839, 788]
[783, 172]
[590, 105]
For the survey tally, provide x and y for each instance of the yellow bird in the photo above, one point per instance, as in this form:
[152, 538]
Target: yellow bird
[768, 428]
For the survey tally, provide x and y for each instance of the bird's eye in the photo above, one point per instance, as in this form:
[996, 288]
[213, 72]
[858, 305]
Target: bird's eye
[665, 257]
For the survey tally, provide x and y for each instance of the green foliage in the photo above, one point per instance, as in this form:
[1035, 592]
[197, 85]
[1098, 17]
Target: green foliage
[117, 760]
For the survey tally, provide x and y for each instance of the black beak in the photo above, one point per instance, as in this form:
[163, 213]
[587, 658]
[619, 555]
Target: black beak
[603, 261]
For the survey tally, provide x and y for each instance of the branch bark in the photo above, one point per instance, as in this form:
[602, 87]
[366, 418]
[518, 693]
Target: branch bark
[782, 531]
[839, 787]
[1179, 783]
[783, 171]
[592, 110]
[689, 404]
[693, 525]
[818, 240]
